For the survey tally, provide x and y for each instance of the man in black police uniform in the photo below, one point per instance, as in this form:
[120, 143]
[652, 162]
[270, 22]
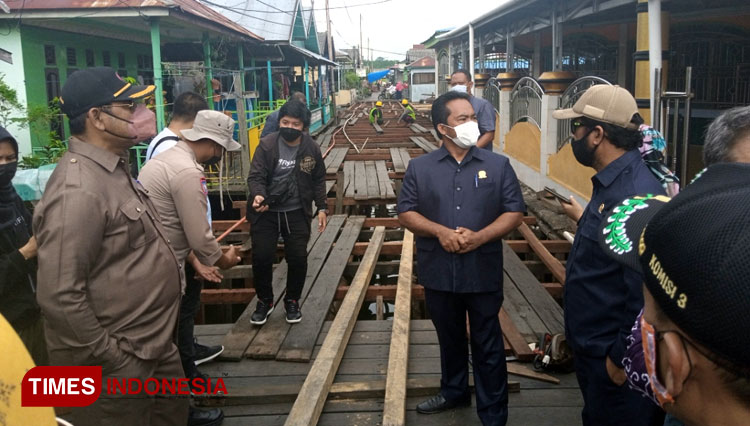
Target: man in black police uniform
[459, 201]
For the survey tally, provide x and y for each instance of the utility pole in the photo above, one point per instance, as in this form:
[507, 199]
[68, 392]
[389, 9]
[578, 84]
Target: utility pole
[360, 41]
[332, 57]
[369, 55]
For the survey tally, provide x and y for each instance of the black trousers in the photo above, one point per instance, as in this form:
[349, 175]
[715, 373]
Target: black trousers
[189, 305]
[605, 403]
[294, 227]
[448, 311]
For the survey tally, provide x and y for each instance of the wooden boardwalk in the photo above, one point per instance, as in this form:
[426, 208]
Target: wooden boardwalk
[335, 368]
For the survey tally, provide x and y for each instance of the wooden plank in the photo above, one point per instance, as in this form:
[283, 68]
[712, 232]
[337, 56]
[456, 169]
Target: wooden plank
[360, 180]
[237, 272]
[267, 341]
[517, 342]
[378, 129]
[551, 262]
[398, 162]
[373, 188]
[435, 135]
[427, 143]
[300, 341]
[427, 385]
[428, 147]
[349, 179]
[329, 185]
[405, 157]
[309, 404]
[386, 186]
[394, 410]
[236, 341]
[540, 301]
[337, 157]
[524, 317]
[520, 370]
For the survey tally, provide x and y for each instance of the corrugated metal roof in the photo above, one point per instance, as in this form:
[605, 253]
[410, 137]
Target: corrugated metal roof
[426, 62]
[191, 7]
[270, 19]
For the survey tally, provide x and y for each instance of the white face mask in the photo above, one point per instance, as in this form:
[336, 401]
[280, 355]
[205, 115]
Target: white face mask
[467, 134]
[460, 88]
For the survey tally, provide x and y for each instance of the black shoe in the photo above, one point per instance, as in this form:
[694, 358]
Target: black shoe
[262, 311]
[199, 383]
[293, 314]
[212, 417]
[438, 404]
[206, 353]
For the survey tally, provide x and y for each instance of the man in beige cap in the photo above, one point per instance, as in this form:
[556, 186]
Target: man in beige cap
[177, 186]
[602, 297]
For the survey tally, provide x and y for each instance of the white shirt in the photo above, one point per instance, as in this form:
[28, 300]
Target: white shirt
[151, 152]
[154, 150]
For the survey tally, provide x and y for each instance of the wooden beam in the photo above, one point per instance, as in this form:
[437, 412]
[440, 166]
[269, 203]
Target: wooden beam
[520, 370]
[309, 404]
[517, 342]
[518, 246]
[551, 262]
[279, 393]
[394, 409]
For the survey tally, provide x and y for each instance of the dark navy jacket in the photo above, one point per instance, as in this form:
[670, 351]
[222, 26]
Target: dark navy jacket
[602, 297]
[472, 195]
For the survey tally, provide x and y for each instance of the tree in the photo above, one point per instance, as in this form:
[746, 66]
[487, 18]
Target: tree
[11, 111]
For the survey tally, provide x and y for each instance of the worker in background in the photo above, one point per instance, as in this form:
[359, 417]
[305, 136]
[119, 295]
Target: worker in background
[177, 186]
[18, 260]
[272, 121]
[461, 82]
[409, 115]
[602, 298]
[692, 252]
[286, 176]
[108, 281]
[376, 113]
[399, 89]
[459, 201]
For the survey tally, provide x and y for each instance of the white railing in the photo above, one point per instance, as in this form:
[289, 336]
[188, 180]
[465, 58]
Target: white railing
[492, 93]
[526, 102]
[568, 98]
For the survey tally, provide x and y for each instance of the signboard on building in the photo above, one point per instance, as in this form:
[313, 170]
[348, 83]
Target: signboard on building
[316, 116]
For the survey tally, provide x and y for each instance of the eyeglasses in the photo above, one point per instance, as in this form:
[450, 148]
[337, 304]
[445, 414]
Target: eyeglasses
[574, 125]
[130, 105]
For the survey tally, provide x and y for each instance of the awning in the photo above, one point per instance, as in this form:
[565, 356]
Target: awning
[377, 75]
[293, 53]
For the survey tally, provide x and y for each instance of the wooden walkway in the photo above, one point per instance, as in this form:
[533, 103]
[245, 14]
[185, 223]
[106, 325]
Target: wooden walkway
[334, 368]
[262, 392]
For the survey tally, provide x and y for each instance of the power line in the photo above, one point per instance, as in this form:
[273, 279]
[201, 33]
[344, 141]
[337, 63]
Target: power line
[314, 9]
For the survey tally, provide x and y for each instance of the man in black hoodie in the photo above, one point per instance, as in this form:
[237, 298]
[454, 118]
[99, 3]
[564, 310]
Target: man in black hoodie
[18, 257]
[286, 175]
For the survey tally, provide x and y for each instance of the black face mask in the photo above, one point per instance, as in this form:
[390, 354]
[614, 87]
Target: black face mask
[213, 160]
[583, 154]
[289, 133]
[7, 172]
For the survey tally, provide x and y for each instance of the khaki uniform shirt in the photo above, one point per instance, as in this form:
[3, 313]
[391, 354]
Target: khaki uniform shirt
[177, 187]
[107, 278]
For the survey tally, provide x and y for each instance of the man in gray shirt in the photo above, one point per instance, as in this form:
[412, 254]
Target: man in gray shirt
[485, 112]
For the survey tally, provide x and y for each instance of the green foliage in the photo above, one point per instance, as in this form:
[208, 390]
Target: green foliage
[11, 110]
[40, 119]
[380, 63]
[352, 81]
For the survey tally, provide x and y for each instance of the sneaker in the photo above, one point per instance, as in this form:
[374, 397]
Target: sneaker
[293, 314]
[262, 312]
[206, 353]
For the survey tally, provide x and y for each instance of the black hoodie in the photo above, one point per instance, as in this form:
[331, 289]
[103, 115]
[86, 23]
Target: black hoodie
[17, 275]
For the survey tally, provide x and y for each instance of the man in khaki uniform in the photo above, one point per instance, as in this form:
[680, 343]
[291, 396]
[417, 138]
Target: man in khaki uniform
[108, 280]
[177, 186]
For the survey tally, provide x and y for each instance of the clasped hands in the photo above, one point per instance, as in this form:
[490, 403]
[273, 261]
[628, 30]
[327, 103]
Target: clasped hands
[461, 240]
